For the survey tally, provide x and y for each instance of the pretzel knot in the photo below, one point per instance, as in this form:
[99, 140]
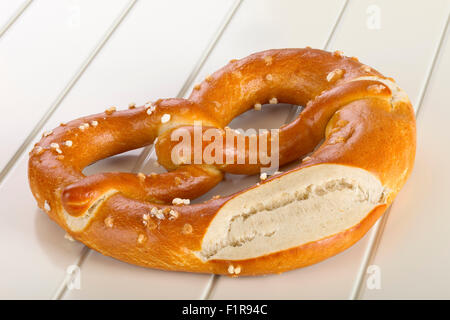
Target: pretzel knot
[357, 128]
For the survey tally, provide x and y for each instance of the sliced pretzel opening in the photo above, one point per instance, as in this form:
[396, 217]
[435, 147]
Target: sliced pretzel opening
[304, 206]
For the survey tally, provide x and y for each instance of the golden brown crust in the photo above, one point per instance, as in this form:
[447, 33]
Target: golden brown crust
[361, 117]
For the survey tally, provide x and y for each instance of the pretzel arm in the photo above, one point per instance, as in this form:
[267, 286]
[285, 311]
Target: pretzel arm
[63, 153]
[185, 182]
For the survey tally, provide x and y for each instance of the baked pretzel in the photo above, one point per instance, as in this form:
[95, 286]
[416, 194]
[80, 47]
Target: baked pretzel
[356, 137]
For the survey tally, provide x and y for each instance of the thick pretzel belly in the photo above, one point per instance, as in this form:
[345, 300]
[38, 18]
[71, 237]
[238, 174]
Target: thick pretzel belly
[358, 130]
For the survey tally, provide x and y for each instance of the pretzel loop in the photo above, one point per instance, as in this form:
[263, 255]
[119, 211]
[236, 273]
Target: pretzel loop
[296, 139]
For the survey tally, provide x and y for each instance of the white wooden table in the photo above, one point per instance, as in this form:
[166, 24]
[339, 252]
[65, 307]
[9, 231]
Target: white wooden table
[61, 59]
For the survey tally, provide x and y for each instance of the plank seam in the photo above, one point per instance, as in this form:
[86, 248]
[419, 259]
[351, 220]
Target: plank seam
[210, 285]
[14, 17]
[335, 26]
[375, 239]
[432, 66]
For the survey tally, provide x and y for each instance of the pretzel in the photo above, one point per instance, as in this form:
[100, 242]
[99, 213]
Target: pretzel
[355, 141]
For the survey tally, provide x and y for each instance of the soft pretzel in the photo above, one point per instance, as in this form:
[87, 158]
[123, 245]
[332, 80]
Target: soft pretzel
[358, 130]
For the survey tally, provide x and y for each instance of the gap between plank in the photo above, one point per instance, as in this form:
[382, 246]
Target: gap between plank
[377, 230]
[61, 290]
[54, 106]
[148, 151]
[14, 17]
[293, 113]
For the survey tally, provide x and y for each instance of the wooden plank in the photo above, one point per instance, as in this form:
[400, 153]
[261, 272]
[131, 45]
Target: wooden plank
[35, 57]
[261, 25]
[38, 57]
[146, 59]
[37, 252]
[403, 49]
[107, 278]
[412, 256]
[9, 10]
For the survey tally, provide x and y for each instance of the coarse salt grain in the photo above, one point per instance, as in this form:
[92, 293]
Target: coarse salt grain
[187, 229]
[141, 238]
[178, 201]
[109, 222]
[141, 176]
[335, 75]
[173, 214]
[160, 215]
[366, 68]
[68, 237]
[110, 110]
[39, 150]
[165, 118]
